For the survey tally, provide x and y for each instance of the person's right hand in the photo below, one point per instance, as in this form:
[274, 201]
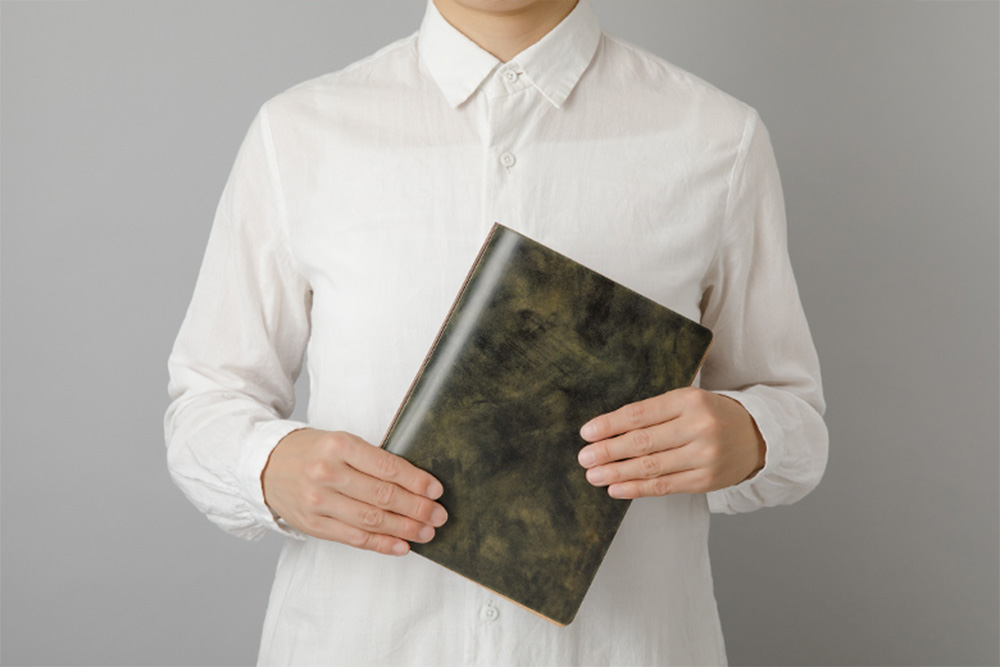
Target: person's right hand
[336, 486]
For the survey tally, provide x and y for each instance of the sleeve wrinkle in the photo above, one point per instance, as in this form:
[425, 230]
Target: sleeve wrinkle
[763, 355]
[239, 349]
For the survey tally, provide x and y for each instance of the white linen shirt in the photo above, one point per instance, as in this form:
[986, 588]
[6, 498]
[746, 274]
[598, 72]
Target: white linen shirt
[356, 206]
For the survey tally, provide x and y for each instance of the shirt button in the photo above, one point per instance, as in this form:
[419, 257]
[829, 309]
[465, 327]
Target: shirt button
[510, 75]
[490, 613]
[507, 159]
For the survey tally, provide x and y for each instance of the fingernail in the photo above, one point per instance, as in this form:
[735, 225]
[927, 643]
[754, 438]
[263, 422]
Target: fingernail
[615, 491]
[434, 490]
[586, 458]
[587, 430]
[595, 476]
[425, 534]
[400, 548]
[438, 516]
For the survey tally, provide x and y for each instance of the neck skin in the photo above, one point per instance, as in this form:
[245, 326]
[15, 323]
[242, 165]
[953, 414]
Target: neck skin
[504, 28]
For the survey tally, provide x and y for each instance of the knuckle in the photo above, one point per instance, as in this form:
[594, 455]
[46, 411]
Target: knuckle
[693, 393]
[385, 493]
[388, 466]
[381, 544]
[707, 427]
[692, 396]
[635, 412]
[410, 531]
[650, 466]
[312, 500]
[358, 538]
[422, 509]
[712, 427]
[642, 442]
[711, 450]
[334, 445]
[660, 486]
[373, 517]
[318, 471]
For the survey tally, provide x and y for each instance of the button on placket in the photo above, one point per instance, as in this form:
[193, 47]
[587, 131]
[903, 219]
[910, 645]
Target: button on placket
[505, 96]
[490, 613]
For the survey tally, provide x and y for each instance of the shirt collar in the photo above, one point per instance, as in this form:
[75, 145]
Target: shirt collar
[553, 64]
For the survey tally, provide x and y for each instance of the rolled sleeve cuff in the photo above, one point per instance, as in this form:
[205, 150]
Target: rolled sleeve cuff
[254, 455]
[753, 492]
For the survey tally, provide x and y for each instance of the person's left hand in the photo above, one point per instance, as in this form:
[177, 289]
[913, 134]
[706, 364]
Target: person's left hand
[684, 441]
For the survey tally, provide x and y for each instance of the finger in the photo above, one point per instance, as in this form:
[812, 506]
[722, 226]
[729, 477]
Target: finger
[379, 463]
[643, 467]
[687, 481]
[654, 410]
[640, 442]
[375, 519]
[391, 497]
[334, 530]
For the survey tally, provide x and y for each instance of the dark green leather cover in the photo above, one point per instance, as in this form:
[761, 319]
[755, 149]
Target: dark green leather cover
[535, 346]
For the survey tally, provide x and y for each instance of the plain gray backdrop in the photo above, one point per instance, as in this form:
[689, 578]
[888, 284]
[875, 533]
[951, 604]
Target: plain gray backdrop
[120, 121]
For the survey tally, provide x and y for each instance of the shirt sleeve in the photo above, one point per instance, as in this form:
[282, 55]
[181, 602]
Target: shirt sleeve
[762, 354]
[239, 350]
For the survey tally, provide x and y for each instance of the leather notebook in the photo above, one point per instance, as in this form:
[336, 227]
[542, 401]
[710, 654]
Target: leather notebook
[535, 346]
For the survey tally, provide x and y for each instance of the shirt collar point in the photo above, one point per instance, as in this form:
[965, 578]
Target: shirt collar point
[573, 44]
[459, 66]
[456, 63]
[555, 97]
[455, 97]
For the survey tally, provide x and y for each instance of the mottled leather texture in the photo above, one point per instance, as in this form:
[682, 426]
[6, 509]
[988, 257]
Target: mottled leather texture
[535, 346]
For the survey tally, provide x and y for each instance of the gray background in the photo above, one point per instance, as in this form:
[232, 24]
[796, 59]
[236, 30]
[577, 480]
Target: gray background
[120, 121]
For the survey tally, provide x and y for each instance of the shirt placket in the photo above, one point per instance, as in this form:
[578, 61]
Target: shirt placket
[506, 102]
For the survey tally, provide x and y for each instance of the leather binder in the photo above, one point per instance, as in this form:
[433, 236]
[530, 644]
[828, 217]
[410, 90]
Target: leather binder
[535, 345]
